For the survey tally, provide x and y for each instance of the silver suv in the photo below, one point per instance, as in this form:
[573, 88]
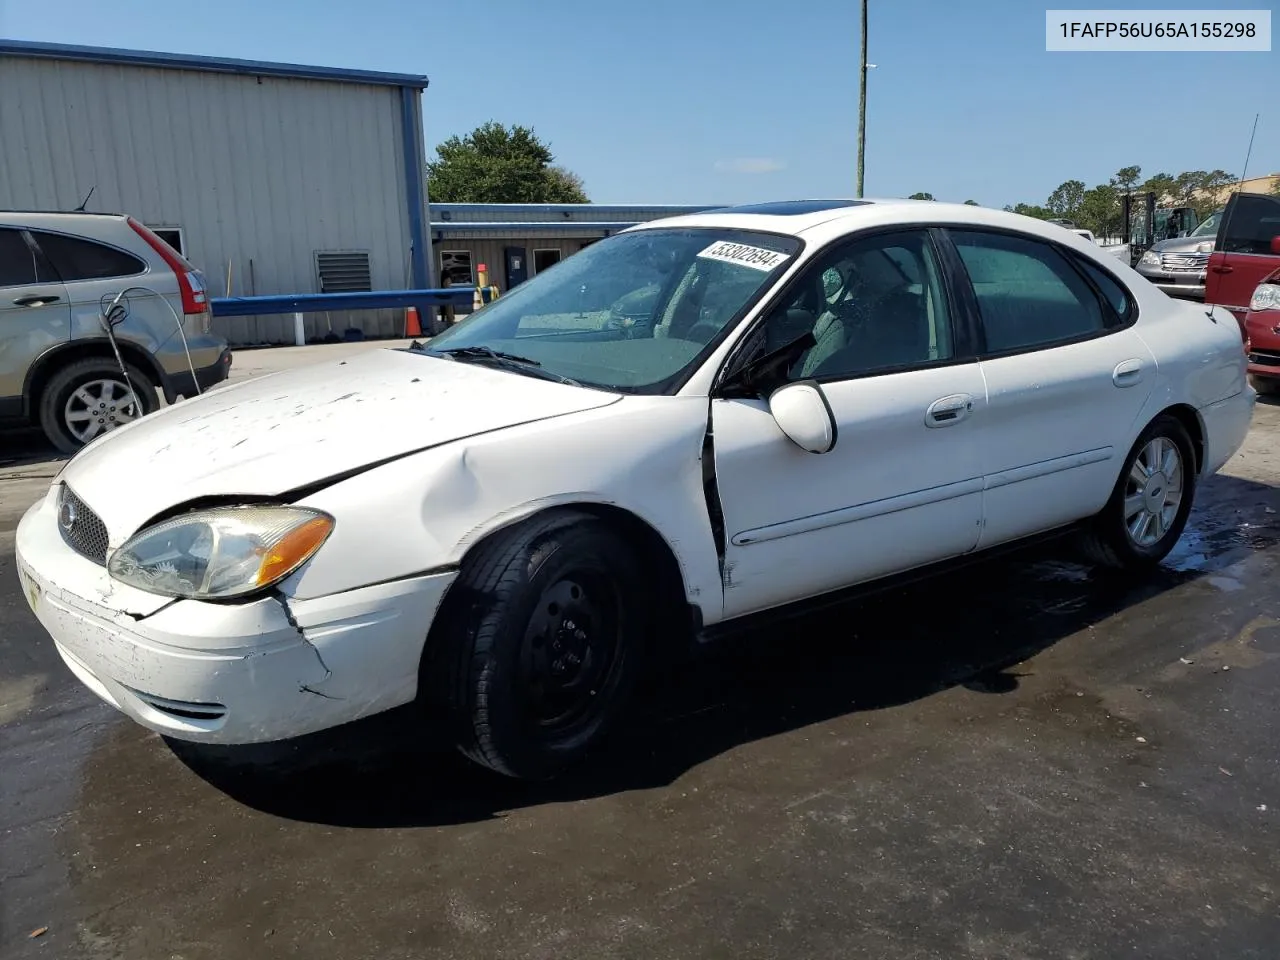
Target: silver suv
[1177, 265]
[61, 276]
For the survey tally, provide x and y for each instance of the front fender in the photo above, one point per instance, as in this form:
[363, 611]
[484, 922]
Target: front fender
[424, 512]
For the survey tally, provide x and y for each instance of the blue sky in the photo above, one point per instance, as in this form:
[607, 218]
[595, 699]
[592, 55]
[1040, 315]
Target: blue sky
[720, 101]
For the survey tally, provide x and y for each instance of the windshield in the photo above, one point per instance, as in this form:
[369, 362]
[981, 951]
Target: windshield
[1210, 227]
[633, 312]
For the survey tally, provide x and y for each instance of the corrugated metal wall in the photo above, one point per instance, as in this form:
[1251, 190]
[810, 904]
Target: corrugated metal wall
[261, 172]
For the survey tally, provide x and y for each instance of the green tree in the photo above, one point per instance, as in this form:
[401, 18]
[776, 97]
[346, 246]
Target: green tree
[1100, 210]
[921, 196]
[972, 203]
[1164, 186]
[497, 164]
[1065, 201]
[1031, 210]
[1127, 178]
[1206, 199]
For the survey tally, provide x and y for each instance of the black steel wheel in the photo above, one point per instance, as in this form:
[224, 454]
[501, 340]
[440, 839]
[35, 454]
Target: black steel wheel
[538, 644]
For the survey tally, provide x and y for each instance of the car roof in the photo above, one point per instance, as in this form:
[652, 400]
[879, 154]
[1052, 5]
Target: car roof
[59, 214]
[821, 220]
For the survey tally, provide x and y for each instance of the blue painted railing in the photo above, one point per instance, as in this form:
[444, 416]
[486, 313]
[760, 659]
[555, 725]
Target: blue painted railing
[314, 302]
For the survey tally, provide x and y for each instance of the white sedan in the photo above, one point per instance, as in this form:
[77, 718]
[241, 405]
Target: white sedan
[690, 423]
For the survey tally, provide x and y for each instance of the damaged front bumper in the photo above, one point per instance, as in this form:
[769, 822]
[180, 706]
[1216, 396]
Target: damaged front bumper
[265, 669]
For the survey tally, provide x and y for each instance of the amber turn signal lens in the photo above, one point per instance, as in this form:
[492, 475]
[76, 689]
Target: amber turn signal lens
[293, 549]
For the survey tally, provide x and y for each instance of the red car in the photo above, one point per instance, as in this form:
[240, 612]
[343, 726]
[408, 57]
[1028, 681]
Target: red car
[1246, 251]
[1262, 336]
[1243, 275]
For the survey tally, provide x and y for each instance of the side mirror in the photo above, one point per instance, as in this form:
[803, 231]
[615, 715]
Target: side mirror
[1275, 246]
[803, 414]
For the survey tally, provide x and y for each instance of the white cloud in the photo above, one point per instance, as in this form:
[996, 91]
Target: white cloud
[750, 165]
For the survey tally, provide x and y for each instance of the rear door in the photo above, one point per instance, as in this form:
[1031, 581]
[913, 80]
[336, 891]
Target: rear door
[94, 273]
[34, 314]
[1243, 255]
[1066, 376]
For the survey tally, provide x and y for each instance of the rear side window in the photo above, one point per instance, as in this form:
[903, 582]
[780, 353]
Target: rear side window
[1112, 290]
[19, 264]
[1250, 223]
[1028, 294]
[77, 259]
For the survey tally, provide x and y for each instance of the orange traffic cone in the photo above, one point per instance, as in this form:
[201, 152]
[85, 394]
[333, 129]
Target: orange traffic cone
[412, 326]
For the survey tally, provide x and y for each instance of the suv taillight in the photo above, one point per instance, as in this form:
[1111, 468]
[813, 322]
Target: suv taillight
[190, 280]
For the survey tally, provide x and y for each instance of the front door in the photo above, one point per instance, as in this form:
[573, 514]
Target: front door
[34, 314]
[1243, 255]
[517, 266]
[1067, 379]
[902, 486]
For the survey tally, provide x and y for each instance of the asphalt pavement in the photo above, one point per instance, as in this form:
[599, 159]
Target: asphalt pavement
[1022, 760]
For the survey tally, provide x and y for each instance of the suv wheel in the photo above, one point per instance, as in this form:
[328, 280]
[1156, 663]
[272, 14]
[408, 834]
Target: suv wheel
[87, 398]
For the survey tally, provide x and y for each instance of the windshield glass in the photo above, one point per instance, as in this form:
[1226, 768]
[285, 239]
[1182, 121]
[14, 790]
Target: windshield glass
[633, 312]
[1210, 227]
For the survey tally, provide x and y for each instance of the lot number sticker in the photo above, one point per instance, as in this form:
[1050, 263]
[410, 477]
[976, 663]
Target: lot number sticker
[758, 258]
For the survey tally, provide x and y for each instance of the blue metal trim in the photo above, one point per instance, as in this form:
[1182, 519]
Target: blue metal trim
[625, 209]
[415, 168]
[570, 227]
[182, 61]
[312, 302]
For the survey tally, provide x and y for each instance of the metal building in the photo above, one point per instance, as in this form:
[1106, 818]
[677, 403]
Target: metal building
[516, 240]
[272, 178]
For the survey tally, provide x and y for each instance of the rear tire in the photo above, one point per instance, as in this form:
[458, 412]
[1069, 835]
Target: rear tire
[1152, 499]
[1266, 386]
[538, 644]
[87, 398]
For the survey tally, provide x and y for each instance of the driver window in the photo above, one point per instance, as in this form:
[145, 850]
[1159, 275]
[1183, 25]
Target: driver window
[873, 305]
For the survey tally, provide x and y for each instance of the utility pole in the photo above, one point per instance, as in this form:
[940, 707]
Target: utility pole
[862, 102]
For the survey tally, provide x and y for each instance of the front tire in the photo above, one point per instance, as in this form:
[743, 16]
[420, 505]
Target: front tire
[90, 397]
[539, 644]
[1149, 506]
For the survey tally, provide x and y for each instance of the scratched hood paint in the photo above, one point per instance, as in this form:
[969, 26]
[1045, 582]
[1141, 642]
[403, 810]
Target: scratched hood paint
[275, 433]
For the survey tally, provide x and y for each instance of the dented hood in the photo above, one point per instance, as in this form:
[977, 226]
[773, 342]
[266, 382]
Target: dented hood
[287, 430]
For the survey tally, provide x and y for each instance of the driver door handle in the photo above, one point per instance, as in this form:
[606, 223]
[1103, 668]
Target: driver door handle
[35, 301]
[1223, 268]
[948, 410]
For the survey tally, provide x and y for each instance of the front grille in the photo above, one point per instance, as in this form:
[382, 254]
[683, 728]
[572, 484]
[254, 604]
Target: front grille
[1265, 358]
[1177, 262]
[82, 529]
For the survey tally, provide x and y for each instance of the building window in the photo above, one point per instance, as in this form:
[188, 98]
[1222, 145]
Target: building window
[545, 259]
[172, 236]
[343, 271]
[455, 269]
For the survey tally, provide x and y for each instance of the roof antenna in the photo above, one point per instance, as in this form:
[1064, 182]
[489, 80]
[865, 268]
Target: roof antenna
[85, 201]
[1231, 207]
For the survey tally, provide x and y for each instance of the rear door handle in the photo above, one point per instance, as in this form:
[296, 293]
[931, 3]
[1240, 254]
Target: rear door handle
[948, 410]
[35, 301]
[1127, 374]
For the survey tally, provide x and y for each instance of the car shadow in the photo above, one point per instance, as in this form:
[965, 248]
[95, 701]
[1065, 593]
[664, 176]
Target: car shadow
[970, 628]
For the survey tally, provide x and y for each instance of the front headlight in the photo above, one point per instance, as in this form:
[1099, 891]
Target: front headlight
[221, 553]
[1151, 258]
[1266, 297]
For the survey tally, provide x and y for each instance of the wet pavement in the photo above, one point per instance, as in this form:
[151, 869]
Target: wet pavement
[1024, 759]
